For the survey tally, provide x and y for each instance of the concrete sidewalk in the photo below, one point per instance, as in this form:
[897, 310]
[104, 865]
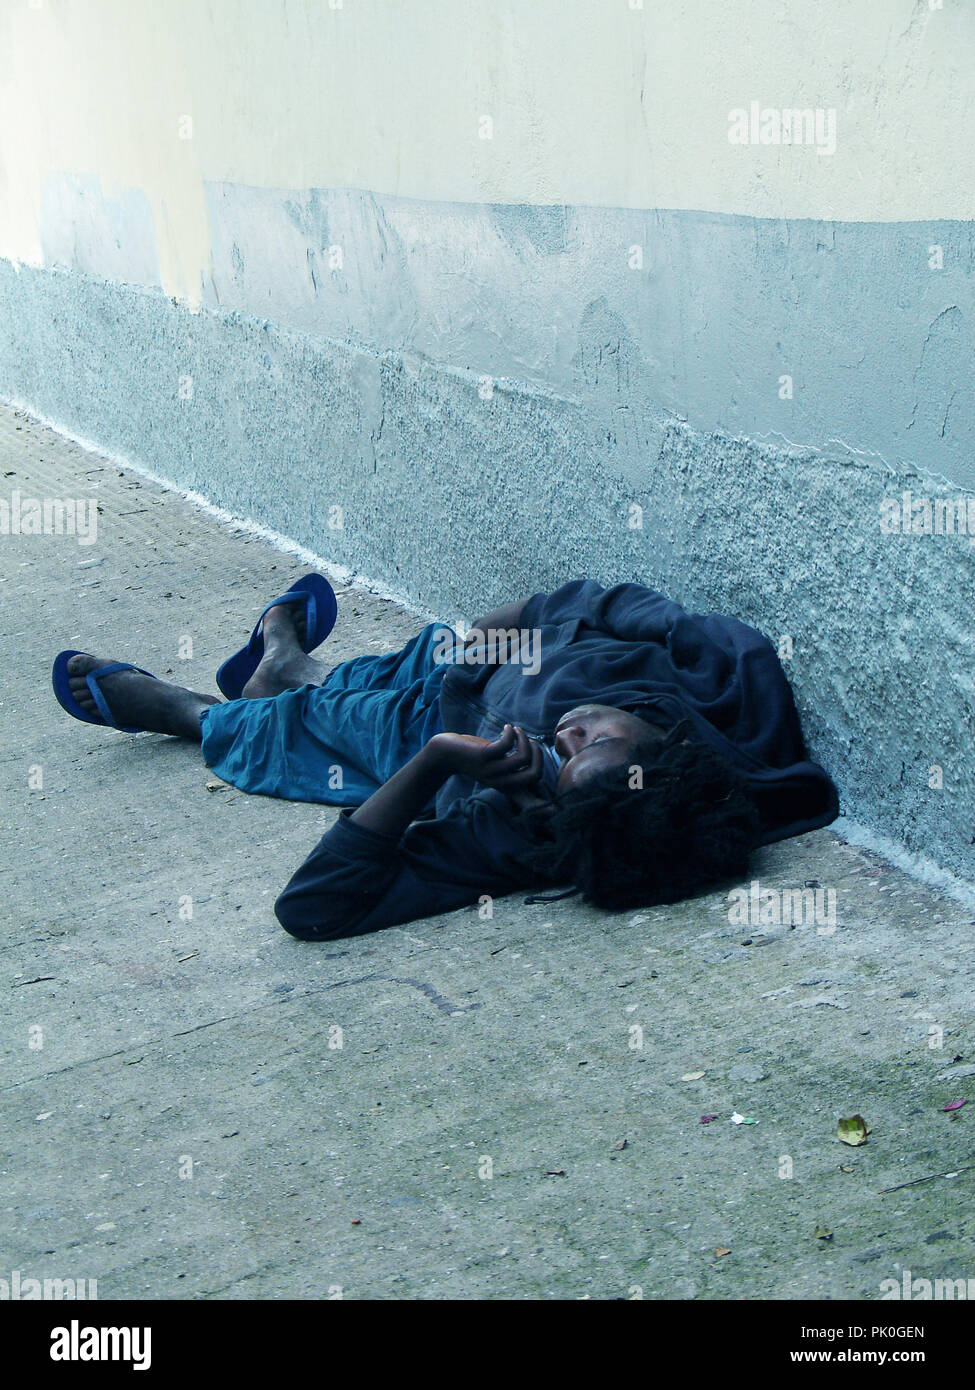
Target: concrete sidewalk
[178, 1121]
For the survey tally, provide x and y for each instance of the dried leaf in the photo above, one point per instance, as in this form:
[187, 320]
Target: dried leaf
[619, 1145]
[722, 1250]
[853, 1130]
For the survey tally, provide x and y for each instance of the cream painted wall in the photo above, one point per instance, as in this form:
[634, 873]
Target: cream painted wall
[596, 102]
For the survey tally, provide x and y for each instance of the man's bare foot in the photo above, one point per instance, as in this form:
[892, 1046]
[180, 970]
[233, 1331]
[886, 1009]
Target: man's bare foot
[284, 665]
[140, 701]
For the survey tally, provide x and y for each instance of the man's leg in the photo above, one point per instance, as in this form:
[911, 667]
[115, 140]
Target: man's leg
[284, 665]
[140, 700]
[329, 736]
[163, 708]
[335, 744]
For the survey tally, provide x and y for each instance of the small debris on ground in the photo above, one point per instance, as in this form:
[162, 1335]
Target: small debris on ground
[853, 1130]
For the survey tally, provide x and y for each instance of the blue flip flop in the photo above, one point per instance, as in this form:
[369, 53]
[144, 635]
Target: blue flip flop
[321, 611]
[60, 679]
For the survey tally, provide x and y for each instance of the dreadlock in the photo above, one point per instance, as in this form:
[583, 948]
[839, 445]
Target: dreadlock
[674, 821]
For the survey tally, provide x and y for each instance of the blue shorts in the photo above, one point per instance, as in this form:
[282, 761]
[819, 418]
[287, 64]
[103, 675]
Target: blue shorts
[337, 742]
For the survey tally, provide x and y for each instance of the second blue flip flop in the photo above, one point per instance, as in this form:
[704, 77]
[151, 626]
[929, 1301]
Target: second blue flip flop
[320, 613]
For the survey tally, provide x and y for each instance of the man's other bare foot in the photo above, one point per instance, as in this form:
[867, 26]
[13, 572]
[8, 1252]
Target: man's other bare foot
[284, 665]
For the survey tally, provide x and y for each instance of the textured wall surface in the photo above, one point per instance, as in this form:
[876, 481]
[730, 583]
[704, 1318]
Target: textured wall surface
[459, 500]
[493, 280]
[699, 315]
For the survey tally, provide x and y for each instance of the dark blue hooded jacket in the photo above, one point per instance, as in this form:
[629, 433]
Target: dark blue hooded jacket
[625, 646]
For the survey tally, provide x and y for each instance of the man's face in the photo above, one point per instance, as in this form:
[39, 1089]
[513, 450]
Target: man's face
[592, 738]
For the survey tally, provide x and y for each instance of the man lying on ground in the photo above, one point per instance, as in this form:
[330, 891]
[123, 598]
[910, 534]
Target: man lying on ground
[599, 738]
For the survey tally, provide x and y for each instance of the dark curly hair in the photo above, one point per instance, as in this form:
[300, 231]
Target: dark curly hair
[624, 841]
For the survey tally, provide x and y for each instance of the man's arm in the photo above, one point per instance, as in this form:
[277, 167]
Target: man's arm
[375, 868]
[511, 763]
[508, 616]
[502, 620]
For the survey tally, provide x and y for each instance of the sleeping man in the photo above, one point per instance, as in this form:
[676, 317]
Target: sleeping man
[596, 738]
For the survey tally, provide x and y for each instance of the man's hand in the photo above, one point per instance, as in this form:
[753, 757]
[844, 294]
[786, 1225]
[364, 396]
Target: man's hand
[512, 763]
[501, 620]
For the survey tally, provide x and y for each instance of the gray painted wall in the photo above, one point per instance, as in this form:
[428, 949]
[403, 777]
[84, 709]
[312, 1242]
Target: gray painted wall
[880, 346]
[488, 392]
